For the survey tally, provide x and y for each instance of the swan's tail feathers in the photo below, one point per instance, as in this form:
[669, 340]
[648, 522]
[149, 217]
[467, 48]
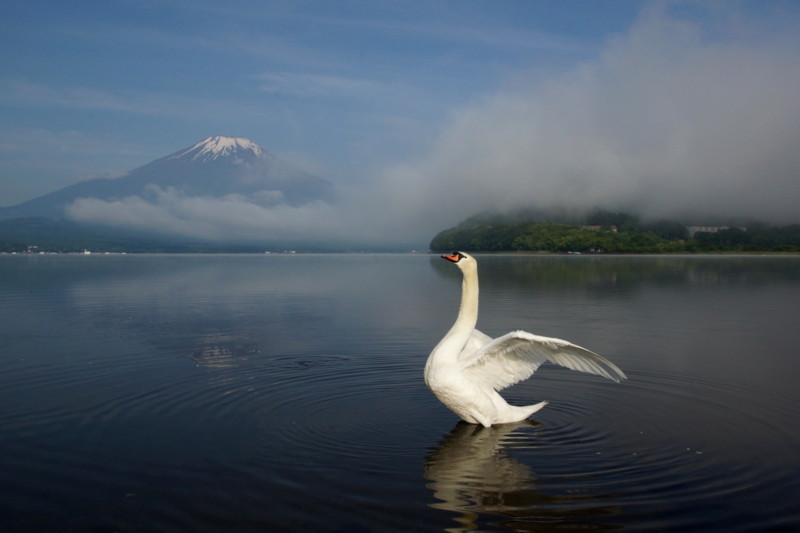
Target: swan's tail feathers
[533, 408]
[517, 413]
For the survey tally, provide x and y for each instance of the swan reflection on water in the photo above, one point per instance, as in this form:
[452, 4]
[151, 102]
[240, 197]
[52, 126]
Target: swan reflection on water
[222, 351]
[472, 474]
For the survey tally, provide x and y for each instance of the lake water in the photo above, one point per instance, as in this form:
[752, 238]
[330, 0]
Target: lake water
[285, 393]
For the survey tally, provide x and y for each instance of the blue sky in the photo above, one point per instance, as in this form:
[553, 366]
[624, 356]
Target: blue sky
[406, 94]
[347, 85]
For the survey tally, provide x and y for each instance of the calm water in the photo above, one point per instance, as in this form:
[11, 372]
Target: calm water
[285, 393]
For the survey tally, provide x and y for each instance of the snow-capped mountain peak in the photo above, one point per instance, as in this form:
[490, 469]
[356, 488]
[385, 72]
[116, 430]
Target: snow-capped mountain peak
[216, 167]
[218, 146]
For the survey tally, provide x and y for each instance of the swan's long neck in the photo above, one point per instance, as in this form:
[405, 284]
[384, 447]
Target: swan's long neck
[448, 349]
[468, 309]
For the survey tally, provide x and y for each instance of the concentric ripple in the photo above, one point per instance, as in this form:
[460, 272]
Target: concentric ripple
[629, 453]
[326, 410]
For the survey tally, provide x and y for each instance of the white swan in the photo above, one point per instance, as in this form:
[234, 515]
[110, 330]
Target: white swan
[467, 368]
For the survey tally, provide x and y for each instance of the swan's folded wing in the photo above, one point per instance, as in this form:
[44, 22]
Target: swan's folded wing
[477, 340]
[515, 356]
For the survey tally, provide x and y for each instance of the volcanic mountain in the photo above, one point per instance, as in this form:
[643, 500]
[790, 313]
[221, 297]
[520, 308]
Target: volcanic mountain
[215, 167]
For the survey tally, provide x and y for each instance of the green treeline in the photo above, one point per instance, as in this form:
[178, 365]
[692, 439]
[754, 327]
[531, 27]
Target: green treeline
[606, 232]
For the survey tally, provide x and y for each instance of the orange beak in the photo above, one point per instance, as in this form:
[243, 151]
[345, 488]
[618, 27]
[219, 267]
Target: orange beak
[454, 258]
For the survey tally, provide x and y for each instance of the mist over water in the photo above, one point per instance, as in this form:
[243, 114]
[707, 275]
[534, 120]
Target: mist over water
[285, 392]
[668, 121]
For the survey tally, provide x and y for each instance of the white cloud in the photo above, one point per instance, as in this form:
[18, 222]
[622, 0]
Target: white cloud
[24, 93]
[318, 85]
[232, 217]
[668, 120]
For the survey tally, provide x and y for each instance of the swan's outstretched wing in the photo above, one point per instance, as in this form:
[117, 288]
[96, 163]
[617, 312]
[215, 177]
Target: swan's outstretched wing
[515, 356]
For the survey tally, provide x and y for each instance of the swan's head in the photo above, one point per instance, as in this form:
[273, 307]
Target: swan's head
[463, 261]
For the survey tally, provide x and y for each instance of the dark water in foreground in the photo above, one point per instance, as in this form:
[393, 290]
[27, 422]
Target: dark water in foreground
[285, 393]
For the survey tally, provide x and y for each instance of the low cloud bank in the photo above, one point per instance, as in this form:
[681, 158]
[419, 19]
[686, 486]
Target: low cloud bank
[231, 217]
[667, 121]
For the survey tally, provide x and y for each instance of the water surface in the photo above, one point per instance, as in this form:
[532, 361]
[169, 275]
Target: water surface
[285, 393]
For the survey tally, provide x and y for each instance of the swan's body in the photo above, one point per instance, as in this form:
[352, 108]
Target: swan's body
[467, 368]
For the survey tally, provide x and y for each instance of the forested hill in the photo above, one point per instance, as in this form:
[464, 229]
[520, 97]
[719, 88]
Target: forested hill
[606, 232]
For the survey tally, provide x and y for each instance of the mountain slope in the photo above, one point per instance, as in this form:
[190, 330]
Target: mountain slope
[214, 167]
